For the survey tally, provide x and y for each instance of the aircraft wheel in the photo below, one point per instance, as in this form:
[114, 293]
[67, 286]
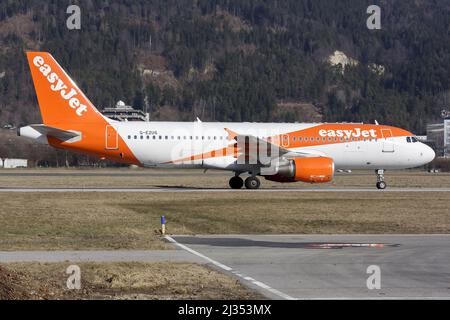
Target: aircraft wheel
[252, 183]
[236, 183]
[381, 185]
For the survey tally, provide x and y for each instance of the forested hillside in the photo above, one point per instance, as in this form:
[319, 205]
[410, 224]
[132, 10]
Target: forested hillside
[234, 60]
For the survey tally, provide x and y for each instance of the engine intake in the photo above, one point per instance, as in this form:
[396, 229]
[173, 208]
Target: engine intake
[309, 169]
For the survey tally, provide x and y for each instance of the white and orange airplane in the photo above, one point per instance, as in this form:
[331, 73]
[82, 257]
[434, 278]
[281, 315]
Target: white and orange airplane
[283, 152]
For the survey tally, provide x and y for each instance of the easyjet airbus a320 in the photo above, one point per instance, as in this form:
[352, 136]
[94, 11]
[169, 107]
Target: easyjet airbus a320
[282, 152]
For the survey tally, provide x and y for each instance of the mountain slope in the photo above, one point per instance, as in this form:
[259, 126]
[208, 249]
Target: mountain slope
[236, 60]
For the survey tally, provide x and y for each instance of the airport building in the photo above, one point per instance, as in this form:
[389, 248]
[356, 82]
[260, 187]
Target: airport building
[122, 112]
[438, 135]
[13, 163]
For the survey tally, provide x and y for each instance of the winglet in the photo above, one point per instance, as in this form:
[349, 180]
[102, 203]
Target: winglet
[231, 134]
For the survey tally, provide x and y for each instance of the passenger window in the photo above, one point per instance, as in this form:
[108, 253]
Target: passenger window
[135, 137]
[154, 137]
[129, 137]
[160, 137]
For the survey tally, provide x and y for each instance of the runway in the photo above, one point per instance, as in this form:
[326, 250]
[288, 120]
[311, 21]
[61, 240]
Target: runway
[332, 266]
[166, 189]
[99, 256]
[299, 266]
[108, 174]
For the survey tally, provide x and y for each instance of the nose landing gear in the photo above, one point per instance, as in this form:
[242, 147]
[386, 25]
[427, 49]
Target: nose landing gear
[381, 184]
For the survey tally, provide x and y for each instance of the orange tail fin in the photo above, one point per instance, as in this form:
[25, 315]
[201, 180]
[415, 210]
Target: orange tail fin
[60, 99]
[66, 110]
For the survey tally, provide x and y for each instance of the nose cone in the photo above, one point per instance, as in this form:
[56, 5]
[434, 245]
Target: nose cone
[427, 154]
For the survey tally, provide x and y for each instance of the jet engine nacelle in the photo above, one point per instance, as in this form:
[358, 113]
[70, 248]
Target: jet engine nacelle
[308, 169]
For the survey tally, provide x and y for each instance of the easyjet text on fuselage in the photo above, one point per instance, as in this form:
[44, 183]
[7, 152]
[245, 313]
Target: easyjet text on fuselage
[349, 133]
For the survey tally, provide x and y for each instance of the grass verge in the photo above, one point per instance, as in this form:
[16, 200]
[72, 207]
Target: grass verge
[31, 221]
[119, 281]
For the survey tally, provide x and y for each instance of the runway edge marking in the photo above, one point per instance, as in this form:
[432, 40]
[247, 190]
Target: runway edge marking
[229, 269]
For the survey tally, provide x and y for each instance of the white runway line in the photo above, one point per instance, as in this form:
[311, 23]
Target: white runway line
[229, 269]
[198, 254]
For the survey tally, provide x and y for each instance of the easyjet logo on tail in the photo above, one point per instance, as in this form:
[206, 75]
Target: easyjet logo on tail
[355, 133]
[58, 85]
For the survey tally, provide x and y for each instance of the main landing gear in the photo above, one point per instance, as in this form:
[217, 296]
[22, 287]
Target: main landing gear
[251, 183]
[236, 182]
[381, 184]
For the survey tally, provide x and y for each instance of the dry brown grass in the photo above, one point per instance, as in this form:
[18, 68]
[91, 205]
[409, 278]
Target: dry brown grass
[131, 220]
[120, 281]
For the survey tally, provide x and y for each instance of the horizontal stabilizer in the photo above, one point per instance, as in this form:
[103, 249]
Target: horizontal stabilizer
[59, 134]
[47, 131]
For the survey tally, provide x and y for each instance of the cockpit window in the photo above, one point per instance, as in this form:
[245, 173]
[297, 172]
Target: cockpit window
[414, 139]
[408, 139]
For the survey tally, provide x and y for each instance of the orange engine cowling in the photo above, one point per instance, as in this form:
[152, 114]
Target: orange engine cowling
[311, 169]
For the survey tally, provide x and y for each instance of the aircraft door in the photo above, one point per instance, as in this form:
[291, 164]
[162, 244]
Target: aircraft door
[111, 138]
[388, 146]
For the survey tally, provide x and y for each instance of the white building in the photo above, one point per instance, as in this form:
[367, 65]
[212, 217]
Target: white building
[13, 163]
[122, 112]
[439, 135]
[447, 136]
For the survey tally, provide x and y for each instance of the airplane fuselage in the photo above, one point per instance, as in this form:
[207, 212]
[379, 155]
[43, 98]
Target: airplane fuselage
[167, 143]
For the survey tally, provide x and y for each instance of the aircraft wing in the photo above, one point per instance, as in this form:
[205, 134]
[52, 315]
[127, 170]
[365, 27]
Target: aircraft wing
[253, 150]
